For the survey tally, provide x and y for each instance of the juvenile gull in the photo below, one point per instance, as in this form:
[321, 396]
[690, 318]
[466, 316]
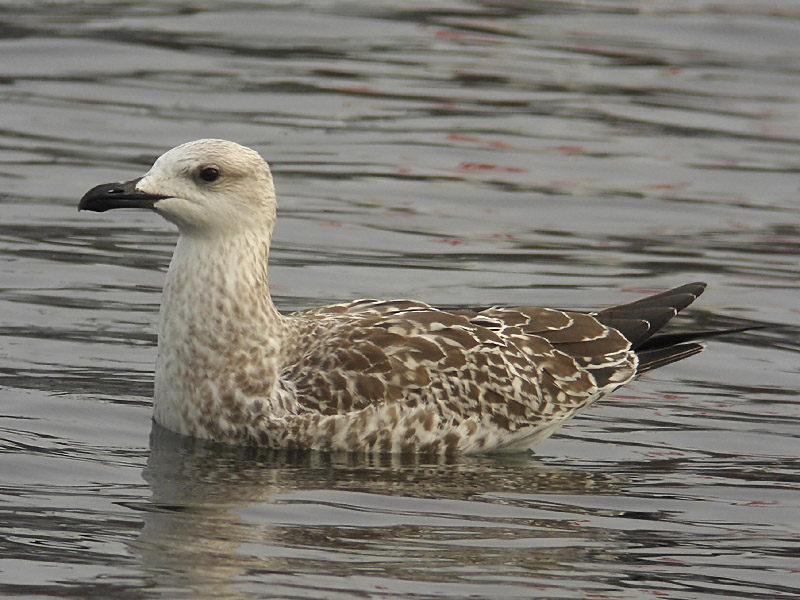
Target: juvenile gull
[368, 375]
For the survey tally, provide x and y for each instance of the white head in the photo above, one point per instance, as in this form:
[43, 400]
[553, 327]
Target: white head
[205, 187]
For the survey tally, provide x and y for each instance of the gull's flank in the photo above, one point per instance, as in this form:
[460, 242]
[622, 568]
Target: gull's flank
[368, 375]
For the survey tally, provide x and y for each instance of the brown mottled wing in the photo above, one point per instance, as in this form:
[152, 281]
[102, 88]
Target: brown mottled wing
[337, 356]
[514, 367]
[367, 352]
[582, 346]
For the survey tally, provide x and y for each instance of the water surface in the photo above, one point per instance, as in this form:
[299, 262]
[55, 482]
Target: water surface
[571, 154]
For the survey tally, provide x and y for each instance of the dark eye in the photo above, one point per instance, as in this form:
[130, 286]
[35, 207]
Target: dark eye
[209, 174]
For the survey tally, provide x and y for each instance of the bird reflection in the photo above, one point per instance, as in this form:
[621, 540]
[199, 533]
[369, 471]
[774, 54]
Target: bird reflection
[221, 515]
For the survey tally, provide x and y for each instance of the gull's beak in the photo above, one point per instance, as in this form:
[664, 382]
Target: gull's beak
[118, 195]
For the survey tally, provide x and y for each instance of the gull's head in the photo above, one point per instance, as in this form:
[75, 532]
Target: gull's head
[206, 187]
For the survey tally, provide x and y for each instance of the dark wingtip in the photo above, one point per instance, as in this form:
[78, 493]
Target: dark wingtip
[638, 321]
[666, 340]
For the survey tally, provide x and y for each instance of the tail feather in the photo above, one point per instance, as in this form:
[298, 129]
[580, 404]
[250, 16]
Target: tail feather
[641, 320]
[666, 340]
[638, 321]
[658, 357]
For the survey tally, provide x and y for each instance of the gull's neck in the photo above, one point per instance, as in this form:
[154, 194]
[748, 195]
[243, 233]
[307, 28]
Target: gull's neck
[217, 322]
[221, 274]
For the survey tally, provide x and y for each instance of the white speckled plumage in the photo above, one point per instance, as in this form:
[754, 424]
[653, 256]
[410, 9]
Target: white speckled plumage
[369, 375]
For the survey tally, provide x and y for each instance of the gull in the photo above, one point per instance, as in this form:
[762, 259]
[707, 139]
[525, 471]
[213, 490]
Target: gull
[369, 375]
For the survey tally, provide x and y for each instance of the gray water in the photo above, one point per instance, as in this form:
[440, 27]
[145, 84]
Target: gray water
[571, 154]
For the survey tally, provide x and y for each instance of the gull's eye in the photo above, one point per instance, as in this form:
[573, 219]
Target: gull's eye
[209, 174]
